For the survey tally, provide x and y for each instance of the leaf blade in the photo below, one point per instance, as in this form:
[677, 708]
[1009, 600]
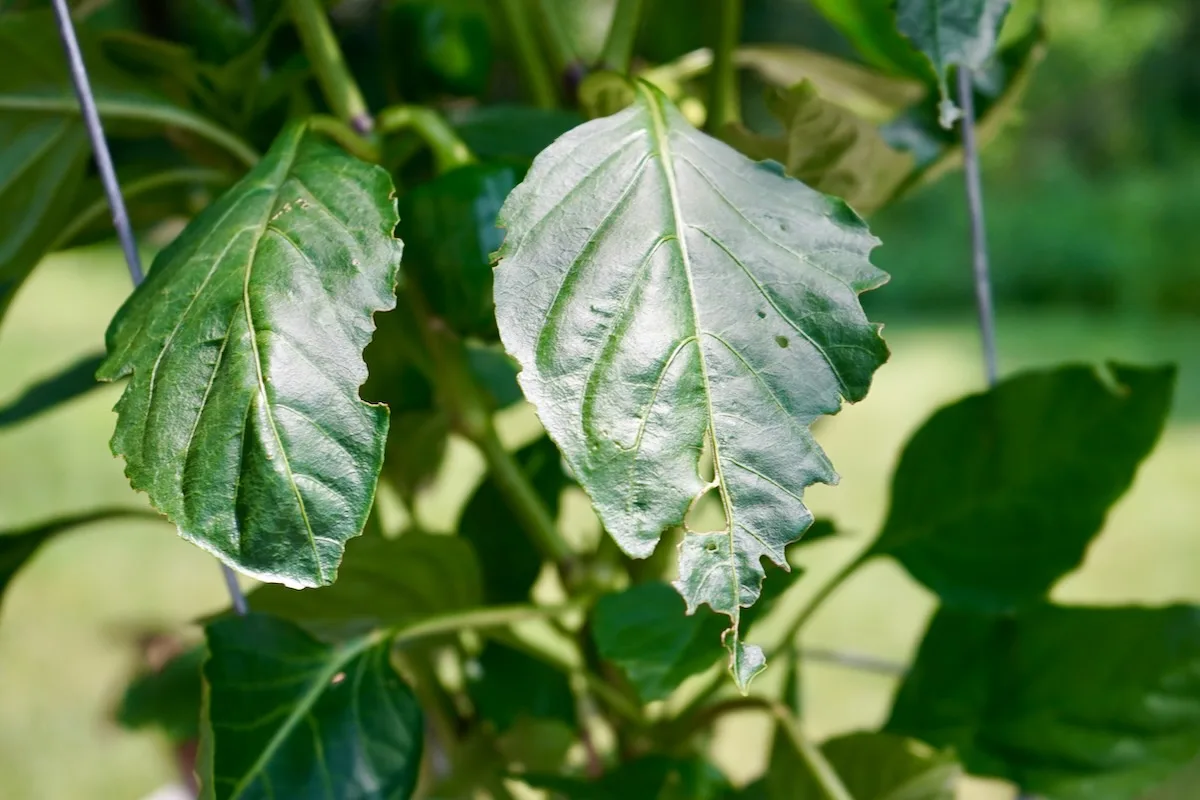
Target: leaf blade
[607, 273]
[270, 435]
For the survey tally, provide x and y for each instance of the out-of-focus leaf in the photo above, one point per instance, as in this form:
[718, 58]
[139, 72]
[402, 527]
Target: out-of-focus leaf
[436, 48]
[1067, 703]
[998, 495]
[510, 562]
[653, 777]
[868, 94]
[952, 33]
[646, 631]
[829, 148]
[47, 394]
[496, 132]
[168, 699]
[507, 685]
[449, 229]
[870, 26]
[18, 546]
[288, 716]
[383, 582]
[657, 297]
[245, 347]
[872, 766]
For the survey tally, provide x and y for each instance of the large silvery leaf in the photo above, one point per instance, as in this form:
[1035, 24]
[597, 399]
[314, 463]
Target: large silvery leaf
[1067, 703]
[287, 716]
[245, 347]
[662, 292]
[952, 33]
[998, 495]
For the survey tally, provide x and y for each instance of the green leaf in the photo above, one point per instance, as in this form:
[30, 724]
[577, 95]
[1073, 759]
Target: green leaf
[18, 546]
[245, 348]
[168, 699]
[1067, 703]
[47, 394]
[507, 685]
[517, 132]
[829, 148]
[863, 92]
[979, 498]
[287, 716]
[510, 562]
[653, 777]
[383, 583]
[657, 296]
[449, 229]
[952, 33]
[645, 631]
[872, 766]
[870, 26]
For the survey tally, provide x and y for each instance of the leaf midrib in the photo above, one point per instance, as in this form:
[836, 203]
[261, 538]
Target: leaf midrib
[662, 146]
[340, 657]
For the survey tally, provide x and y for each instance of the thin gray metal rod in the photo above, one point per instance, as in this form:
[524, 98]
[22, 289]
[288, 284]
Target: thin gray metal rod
[112, 190]
[979, 251]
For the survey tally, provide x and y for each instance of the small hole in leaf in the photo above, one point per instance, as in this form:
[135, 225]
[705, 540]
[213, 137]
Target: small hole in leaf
[781, 341]
[704, 467]
[711, 547]
[341, 676]
[762, 314]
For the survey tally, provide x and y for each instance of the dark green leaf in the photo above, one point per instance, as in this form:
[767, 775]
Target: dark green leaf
[18, 546]
[506, 685]
[645, 631]
[449, 229]
[829, 148]
[659, 291]
[49, 393]
[997, 496]
[1068, 703]
[383, 582]
[245, 347]
[168, 699]
[518, 132]
[287, 716]
[510, 562]
[952, 33]
[872, 766]
[436, 48]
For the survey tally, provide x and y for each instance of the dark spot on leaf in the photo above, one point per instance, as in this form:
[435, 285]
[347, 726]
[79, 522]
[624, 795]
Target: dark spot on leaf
[762, 315]
[781, 341]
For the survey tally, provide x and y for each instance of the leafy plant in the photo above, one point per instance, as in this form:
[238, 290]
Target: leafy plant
[409, 261]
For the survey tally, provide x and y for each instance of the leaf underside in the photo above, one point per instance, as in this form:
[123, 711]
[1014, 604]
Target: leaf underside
[242, 419]
[662, 292]
[289, 717]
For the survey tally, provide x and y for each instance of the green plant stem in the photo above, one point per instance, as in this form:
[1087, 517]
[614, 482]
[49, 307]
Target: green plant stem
[622, 33]
[529, 56]
[725, 105]
[344, 135]
[818, 766]
[481, 619]
[449, 151]
[321, 47]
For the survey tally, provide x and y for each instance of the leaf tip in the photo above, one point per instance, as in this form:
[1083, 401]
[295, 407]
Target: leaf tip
[746, 661]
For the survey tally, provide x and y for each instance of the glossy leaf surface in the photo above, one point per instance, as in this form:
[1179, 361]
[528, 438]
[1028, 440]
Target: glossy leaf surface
[242, 419]
[1068, 703]
[952, 33]
[18, 546]
[383, 583]
[999, 495]
[660, 290]
[872, 766]
[829, 148]
[645, 632]
[286, 716]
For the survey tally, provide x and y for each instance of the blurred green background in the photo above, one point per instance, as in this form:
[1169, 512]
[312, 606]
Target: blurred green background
[1092, 193]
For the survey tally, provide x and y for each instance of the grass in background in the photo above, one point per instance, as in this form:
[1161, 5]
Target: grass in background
[65, 648]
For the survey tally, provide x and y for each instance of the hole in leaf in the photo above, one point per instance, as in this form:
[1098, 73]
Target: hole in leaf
[781, 341]
[705, 467]
[761, 314]
[706, 513]
[711, 546]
